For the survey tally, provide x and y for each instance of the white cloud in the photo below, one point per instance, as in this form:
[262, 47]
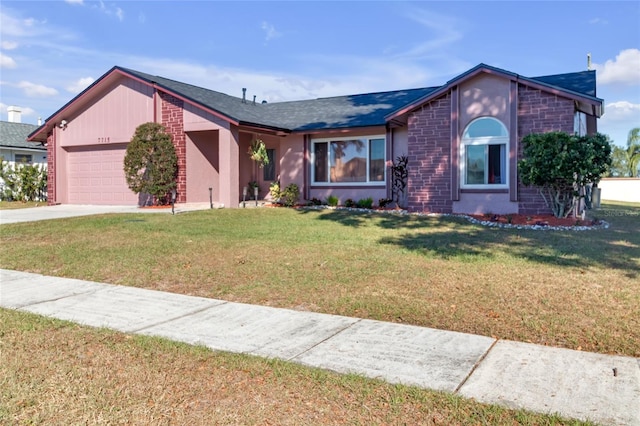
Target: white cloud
[443, 32]
[109, 10]
[600, 21]
[6, 61]
[102, 7]
[625, 69]
[621, 111]
[619, 117]
[36, 90]
[8, 45]
[270, 31]
[79, 85]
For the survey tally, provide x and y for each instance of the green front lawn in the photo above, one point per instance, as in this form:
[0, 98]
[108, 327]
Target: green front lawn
[578, 290]
[10, 205]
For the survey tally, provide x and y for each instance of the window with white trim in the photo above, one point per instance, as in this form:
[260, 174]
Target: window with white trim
[348, 161]
[483, 154]
[23, 158]
[580, 123]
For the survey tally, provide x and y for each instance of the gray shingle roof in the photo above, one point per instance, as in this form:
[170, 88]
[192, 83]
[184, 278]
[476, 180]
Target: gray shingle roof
[14, 135]
[323, 113]
[583, 82]
[360, 110]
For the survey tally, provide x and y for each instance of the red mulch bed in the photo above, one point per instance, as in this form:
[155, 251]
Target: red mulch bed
[156, 207]
[545, 220]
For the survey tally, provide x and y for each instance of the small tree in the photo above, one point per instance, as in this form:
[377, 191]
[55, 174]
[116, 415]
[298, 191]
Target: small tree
[151, 163]
[559, 164]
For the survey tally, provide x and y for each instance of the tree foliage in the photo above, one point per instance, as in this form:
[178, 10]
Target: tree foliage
[151, 163]
[559, 164]
[23, 182]
[625, 162]
[633, 152]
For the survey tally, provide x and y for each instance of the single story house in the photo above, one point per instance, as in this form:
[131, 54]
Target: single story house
[14, 147]
[462, 139]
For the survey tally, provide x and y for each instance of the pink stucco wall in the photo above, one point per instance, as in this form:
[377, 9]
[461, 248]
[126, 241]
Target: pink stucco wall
[228, 160]
[250, 171]
[112, 117]
[484, 96]
[486, 202]
[196, 119]
[292, 162]
[202, 166]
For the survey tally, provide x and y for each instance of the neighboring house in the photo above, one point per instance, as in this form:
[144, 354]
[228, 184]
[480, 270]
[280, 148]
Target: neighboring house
[462, 139]
[14, 147]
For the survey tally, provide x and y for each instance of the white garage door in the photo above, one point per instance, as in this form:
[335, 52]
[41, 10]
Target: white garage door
[96, 177]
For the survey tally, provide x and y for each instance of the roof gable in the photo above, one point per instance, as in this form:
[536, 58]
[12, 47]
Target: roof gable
[580, 86]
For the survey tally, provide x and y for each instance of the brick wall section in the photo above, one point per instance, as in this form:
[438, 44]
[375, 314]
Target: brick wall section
[429, 150]
[539, 112]
[51, 169]
[172, 117]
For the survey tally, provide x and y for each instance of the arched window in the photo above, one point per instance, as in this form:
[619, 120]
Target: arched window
[484, 151]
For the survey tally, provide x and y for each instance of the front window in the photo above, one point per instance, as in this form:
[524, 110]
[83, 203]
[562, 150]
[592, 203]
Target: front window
[484, 154]
[269, 169]
[349, 160]
[23, 158]
[580, 123]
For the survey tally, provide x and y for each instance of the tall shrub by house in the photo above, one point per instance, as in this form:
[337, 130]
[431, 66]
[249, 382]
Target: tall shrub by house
[23, 182]
[151, 163]
[559, 164]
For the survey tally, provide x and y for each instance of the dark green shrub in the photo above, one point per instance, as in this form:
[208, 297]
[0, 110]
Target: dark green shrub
[349, 203]
[290, 195]
[332, 201]
[559, 164]
[151, 163]
[365, 203]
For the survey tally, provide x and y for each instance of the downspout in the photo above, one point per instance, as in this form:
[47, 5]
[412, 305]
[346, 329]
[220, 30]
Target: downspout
[155, 104]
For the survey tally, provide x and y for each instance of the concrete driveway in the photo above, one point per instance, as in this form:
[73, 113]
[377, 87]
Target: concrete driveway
[71, 210]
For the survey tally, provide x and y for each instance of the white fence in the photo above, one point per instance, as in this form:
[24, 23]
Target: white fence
[620, 189]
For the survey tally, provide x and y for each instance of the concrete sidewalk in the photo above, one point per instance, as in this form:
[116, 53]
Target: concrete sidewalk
[575, 384]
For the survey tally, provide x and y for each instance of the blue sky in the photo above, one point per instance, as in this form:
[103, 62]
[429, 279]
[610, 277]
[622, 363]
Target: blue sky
[51, 50]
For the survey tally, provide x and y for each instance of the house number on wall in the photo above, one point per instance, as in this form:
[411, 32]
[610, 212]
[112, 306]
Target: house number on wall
[104, 140]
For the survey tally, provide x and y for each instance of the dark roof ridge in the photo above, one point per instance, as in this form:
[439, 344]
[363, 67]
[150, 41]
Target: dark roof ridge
[140, 74]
